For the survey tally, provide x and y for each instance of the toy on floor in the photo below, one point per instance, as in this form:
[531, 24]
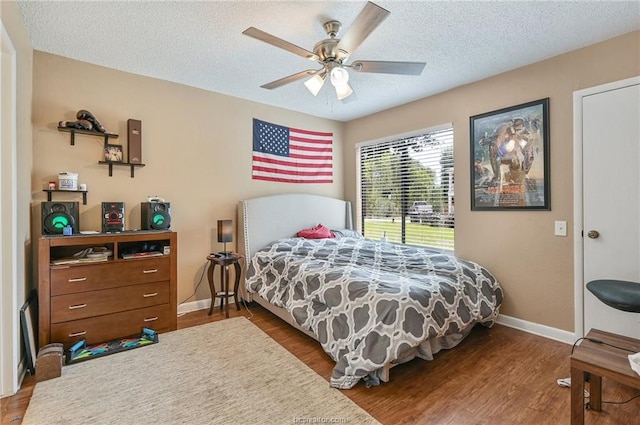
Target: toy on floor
[80, 351]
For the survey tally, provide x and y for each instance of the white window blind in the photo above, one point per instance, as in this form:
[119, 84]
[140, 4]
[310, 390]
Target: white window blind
[406, 189]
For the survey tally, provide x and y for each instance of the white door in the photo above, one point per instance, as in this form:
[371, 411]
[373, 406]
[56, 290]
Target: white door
[611, 201]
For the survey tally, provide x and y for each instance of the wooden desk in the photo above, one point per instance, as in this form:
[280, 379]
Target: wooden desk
[224, 261]
[600, 361]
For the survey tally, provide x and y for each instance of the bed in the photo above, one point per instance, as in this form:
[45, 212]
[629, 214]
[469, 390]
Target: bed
[370, 304]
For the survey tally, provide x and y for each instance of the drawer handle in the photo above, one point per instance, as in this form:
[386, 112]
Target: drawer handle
[77, 334]
[151, 319]
[150, 271]
[78, 279]
[73, 307]
[150, 295]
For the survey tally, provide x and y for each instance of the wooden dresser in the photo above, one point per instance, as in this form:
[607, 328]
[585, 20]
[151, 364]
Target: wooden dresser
[105, 300]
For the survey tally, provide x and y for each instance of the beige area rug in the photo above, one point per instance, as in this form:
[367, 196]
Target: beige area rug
[225, 372]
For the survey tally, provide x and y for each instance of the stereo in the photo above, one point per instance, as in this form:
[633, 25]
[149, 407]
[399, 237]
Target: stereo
[112, 217]
[155, 215]
[58, 215]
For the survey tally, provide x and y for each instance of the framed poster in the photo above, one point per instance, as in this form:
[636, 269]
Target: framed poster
[510, 158]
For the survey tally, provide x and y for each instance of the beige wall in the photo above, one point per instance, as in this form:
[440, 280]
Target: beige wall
[534, 266]
[196, 146]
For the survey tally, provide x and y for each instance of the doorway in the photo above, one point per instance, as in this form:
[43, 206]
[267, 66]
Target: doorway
[606, 200]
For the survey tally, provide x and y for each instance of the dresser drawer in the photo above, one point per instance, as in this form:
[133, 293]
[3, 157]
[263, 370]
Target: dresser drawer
[111, 274]
[107, 301]
[105, 328]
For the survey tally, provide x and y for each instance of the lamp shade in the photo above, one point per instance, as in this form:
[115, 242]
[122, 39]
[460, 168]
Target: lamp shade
[343, 91]
[339, 76]
[340, 80]
[225, 230]
[314, 84]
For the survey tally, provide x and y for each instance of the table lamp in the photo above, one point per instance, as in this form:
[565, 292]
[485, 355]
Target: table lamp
[225, 234]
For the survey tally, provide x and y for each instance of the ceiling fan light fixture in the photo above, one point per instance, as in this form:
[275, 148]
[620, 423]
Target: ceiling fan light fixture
[339, 76]
[314, 84]
[332, 54]
[343, 91]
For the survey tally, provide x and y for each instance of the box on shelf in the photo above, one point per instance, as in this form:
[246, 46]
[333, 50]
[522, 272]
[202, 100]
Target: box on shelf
[67, 181]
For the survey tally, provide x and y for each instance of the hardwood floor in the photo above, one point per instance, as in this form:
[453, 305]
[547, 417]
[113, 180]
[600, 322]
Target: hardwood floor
[496, 376]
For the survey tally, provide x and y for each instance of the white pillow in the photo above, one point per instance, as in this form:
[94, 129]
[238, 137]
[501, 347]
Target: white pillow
[346, 233]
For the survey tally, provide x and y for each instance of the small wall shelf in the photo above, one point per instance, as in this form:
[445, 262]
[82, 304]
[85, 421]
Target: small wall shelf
[50, 192]
[126, 164]
[73, 132]
[106, 137]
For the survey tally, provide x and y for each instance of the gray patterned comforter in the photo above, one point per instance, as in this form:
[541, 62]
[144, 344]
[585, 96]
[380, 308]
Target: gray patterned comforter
[369, 302]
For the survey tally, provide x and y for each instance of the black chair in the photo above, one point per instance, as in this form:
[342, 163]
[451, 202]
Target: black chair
[619, 294]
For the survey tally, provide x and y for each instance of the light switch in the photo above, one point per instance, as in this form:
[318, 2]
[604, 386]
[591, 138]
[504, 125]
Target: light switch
[561, 228]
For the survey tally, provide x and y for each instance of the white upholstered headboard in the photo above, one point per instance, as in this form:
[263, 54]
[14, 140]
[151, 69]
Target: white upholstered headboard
[268, 218]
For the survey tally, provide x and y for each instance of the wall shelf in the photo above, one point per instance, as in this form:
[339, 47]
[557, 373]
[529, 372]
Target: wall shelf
[50, 192]
[106, 136]
[73, 132]
[120, 164]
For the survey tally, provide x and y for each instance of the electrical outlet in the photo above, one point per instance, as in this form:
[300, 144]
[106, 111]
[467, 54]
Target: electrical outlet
[560, 228]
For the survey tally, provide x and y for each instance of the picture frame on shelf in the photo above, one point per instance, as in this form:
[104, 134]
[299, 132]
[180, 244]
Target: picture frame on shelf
[510, 158]
[113, 153]
[28, 319]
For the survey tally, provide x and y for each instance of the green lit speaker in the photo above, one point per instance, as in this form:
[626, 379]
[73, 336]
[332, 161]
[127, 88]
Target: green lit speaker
[155, 215]
[57, 215]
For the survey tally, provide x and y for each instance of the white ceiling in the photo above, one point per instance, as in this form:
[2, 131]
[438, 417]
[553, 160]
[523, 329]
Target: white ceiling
[201, 44]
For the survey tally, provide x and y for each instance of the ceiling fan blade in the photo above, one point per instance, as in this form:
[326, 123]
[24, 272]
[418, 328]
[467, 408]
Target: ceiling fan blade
[367, 21]
[385, 67]
[278, 42]
[290, 79]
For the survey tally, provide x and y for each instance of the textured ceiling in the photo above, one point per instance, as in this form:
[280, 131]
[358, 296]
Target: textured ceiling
[201, 44]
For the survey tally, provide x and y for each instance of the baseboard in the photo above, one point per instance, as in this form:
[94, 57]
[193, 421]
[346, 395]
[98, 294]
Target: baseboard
[537, 329]
[199, 305]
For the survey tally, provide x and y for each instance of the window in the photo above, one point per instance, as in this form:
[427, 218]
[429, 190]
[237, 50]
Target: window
[406, 189]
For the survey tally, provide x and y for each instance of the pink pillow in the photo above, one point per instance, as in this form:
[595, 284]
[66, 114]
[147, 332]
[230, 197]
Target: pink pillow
[318, 232]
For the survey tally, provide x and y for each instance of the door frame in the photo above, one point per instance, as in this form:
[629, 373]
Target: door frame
[578, 213]
[9, 328]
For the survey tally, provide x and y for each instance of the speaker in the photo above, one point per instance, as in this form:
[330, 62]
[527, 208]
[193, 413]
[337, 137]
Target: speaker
[57, 215]
[112, 217]
[155, 215]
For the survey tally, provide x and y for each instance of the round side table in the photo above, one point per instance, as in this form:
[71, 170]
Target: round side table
[224, 261]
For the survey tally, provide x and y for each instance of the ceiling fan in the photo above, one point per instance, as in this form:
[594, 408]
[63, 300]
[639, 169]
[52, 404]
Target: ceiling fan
[333, 53]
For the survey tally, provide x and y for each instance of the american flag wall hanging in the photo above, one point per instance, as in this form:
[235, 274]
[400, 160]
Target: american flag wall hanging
[291, 155]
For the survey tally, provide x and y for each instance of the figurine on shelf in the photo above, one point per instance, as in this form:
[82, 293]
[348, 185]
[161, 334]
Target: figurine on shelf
[80, 125]
[86, 115]
[87, 122]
